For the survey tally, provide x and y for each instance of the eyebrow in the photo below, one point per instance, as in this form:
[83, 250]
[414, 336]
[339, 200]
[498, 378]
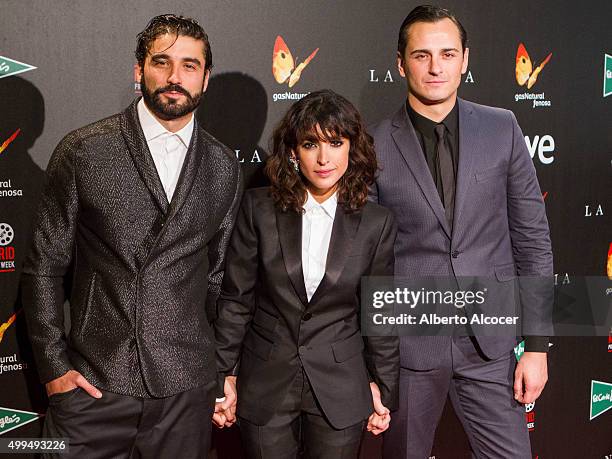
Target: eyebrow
[427, 51]
[193, 60]
[309, 137]
[314, 138]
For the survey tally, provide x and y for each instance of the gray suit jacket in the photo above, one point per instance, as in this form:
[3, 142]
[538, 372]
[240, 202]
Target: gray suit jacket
[145, 272]
[500, 228]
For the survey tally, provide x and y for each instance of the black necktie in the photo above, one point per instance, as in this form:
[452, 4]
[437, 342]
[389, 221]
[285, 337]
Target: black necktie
[447, 173]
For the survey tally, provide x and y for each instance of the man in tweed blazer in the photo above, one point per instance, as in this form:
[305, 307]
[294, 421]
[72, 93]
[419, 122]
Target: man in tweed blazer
[139, 206]
[461, 184]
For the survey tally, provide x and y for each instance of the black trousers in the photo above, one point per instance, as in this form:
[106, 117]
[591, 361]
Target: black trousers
[299, 425]
[120, 426]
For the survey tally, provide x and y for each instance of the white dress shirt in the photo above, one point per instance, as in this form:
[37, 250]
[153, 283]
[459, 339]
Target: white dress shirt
[168, 149]
[317, 223]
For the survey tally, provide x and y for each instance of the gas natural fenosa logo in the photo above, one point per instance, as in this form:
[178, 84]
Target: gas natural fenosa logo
[527, 76]
[4, 327]
[8, 141]
[283, 64]
[524, 67]
[284, 69]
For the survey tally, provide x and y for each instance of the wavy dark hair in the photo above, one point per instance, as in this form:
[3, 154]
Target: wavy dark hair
[179, 26]
[336, 117]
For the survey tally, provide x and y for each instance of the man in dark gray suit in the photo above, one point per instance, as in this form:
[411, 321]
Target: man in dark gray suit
[462, 186]
[139, 209]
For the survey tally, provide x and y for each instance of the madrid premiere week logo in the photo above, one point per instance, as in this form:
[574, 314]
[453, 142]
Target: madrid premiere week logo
[285, 70]
[527, 76]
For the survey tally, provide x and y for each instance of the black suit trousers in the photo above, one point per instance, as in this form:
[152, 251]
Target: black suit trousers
[121, 426]
[299, 425]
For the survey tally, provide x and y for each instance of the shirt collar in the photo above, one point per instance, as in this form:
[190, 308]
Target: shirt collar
[426, 126]
[329, 205]
[153, 128]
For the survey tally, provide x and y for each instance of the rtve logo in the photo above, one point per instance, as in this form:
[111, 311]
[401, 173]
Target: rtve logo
[543, 147]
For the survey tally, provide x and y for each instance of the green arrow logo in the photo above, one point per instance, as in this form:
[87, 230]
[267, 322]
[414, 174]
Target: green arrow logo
[10, 67]
[601, 398]
[13, 419]
[607, 89]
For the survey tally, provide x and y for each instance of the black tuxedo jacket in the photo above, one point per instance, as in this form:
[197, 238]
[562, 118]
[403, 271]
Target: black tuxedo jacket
[265, 319]
[144, 269]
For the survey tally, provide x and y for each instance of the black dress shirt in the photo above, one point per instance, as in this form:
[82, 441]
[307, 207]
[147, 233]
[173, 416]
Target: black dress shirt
[424, 128]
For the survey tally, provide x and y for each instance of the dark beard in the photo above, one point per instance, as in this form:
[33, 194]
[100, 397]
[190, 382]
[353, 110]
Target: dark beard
[168, 111]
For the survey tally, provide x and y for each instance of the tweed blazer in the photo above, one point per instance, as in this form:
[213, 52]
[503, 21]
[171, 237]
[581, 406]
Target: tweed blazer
[145, 272]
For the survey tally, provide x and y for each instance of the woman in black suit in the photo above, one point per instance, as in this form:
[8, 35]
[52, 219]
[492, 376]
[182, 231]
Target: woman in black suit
[288, 321]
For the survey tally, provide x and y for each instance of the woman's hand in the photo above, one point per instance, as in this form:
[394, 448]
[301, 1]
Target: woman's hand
[379, 420]
[225, 411]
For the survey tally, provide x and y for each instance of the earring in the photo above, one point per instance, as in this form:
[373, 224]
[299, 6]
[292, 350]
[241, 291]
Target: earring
[294, 162]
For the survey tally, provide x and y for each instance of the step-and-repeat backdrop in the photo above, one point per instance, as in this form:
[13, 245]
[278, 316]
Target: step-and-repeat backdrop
[64, 64]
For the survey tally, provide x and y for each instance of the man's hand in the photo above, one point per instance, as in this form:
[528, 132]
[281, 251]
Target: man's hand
[530, 376]
[225, 411]
[71, 380]
[379, 420]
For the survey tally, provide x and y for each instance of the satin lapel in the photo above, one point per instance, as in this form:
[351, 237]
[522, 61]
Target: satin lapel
[289, 227]
[343, 233]
[143, 161]
[192, 162]
[468, 144]
[408, 144]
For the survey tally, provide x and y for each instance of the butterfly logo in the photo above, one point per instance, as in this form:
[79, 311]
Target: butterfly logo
[524, 67]
[7, 324]
[8, 141]
[283, 64]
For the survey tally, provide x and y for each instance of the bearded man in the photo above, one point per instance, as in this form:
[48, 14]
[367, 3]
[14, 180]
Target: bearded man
[139, 208]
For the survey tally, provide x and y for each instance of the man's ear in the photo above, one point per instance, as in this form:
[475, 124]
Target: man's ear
[137, 72]
[206, 77]
[466, 54]
[400, 65]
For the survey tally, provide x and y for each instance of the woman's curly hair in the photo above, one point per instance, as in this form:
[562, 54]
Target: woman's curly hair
[334, 116]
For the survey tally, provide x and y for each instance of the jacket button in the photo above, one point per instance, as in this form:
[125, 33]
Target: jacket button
[307, 316]
[455, 254]
[302, 350]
